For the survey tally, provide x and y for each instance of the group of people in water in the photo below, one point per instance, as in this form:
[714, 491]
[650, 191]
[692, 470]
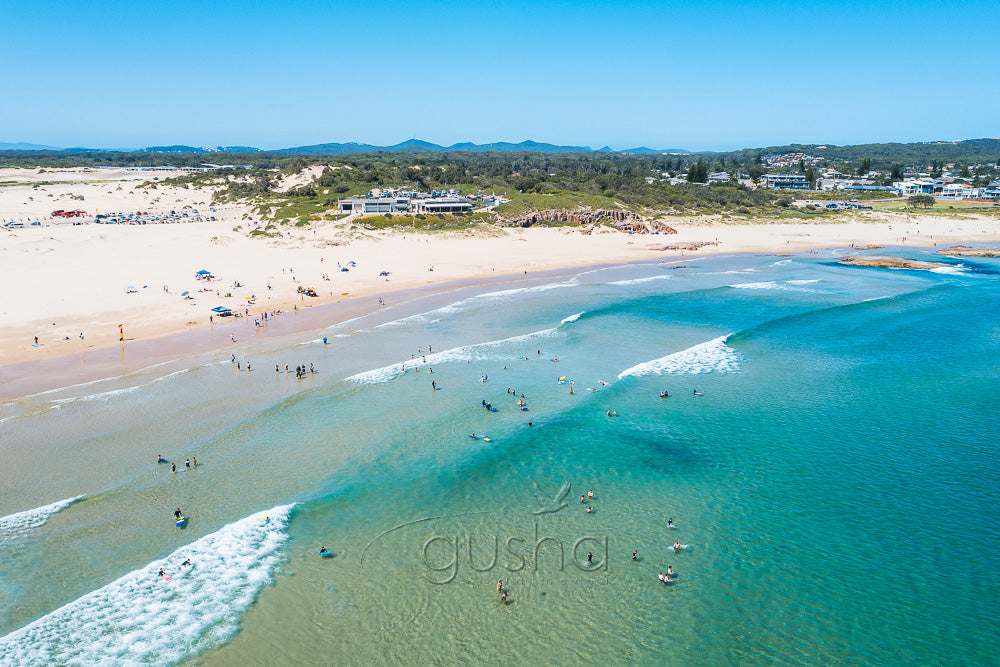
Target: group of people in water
[188, 463]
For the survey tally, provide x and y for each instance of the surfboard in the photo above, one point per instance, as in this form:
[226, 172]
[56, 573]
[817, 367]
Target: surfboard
[180, 522]
[487, 439]
[166, 577]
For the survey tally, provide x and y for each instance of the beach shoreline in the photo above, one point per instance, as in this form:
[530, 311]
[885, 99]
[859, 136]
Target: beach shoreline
[71, 286]
[38, 376]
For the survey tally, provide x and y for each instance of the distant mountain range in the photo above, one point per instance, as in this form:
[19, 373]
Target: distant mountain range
[418, 146]
[21, 146]
[410, 146]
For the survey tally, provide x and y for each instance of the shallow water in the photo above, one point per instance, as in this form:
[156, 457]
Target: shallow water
[835, 481]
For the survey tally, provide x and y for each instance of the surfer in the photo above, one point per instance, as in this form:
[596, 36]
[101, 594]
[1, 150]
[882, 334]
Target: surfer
[670, 523]
[160, 459]
[323, 551]
[697, 393]
[267, 520]
[161, 574]
[177, 513]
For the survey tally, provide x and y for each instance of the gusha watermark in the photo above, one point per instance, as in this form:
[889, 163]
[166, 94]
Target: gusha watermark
[515, 557]
[442, 554]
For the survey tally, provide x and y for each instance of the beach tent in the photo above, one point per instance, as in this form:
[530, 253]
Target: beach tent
[203, 272]
[221, 309]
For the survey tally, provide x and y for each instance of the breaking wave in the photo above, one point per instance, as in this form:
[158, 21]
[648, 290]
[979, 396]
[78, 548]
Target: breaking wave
[141, 618]
[783, 285]
[713, 356]
[17, 525]
[637, 281]
[478, 352]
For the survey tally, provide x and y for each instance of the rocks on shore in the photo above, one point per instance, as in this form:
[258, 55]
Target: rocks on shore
[688, 245]
[620, 219]
[889, 262]
[968, 251]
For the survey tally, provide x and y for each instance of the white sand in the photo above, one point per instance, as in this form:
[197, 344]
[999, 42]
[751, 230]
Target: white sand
[63, 280]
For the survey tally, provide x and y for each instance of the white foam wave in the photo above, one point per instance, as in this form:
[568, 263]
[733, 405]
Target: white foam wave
[114, 393]
[953, 269]
[17, 525]
[572, 318]
[478, 352]
[782, 262]
[525, 290]
[786, 286]
[713, 356]
[637, 281]
[141, 618]
[433, 316]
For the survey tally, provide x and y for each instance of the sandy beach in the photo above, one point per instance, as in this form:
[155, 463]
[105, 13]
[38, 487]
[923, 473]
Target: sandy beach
[73, 285]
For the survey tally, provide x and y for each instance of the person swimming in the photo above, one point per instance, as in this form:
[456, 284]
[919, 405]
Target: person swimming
[677, 546]
[186, 562]
[590, 494]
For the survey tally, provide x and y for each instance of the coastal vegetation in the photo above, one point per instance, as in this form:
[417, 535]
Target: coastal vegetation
[286, 188]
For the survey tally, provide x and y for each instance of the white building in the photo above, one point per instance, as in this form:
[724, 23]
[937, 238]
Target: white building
[786, 182]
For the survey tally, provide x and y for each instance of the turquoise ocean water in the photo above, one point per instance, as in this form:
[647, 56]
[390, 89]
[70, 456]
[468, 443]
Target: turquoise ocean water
[835, 483]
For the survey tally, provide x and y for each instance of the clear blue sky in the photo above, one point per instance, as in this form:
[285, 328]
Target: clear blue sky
[696, 75]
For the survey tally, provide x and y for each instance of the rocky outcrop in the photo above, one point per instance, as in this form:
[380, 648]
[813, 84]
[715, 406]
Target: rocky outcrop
[967, 251]
[889, 262]
[688, 245]
[620, 219]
